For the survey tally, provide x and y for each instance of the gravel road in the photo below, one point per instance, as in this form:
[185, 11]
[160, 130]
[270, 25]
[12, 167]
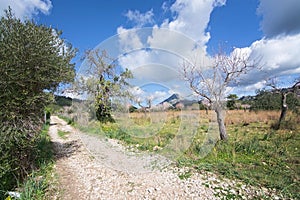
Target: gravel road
[91, 167]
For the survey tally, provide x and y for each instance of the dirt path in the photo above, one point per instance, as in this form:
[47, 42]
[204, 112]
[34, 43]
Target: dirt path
[93, 168]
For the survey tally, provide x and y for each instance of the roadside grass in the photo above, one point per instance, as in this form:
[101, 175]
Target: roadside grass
[144, 138]
[39, 184]
[63, 134]
[70, 121]
[254, 153]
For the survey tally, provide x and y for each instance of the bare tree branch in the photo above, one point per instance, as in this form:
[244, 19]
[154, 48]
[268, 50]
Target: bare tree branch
[211, 81]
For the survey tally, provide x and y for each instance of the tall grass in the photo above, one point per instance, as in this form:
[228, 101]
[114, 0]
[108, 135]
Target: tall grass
[257, 155]
[236, 117]
[135, 134]
[37, 184]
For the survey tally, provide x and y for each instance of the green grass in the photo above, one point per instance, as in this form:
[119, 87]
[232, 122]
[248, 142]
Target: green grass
[70, 121]
[38, 182]
[135, 134]
[62, 134]
[185, 175]
[260, 157]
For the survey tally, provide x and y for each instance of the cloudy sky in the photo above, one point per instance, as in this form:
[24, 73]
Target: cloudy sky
[153, 37]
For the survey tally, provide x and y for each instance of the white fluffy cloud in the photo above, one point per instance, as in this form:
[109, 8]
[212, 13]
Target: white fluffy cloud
[279, 57]
[192, 17]
[190, 21]
[279, 49]
[255, 86]
[184, 36]
[26, 8]
[279, 54]
[180, 37]
[175, 42]
[279, 17]
[143, 95]
[140, 19]
[128, 40]
[153, 66]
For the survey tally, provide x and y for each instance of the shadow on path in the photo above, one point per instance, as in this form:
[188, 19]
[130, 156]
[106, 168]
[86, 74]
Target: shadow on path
[65, 149]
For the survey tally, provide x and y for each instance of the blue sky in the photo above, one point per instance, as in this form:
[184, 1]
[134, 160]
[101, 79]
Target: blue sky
[236, 24]
[269, 28]
[87, 23]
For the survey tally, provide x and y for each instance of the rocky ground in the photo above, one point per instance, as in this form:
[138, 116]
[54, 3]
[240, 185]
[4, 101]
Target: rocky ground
[90, 167]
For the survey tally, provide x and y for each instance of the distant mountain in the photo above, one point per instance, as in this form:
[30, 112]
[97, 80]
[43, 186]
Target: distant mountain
[187, 102]
[247, 98]
[173, 99]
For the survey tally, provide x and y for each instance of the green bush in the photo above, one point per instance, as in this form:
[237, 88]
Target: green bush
[37, 181]
[20, 155]
[30, 64]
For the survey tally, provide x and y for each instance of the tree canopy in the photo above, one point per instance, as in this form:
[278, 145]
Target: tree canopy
[231, 101]
[103, 80]
[34, 60]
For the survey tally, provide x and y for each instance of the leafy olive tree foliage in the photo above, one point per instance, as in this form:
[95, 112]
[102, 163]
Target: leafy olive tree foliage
[268, 100]
[211, 82]
[103, 80]
[231, 101]
[34, 60]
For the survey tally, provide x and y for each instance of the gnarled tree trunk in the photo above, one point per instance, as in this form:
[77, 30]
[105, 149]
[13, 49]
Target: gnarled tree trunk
[221, 123]
[284, 108]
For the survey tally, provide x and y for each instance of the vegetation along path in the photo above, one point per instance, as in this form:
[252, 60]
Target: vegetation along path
[90, 167]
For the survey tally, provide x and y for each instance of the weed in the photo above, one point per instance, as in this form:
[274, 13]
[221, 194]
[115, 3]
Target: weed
[185, 175]
[37, 183]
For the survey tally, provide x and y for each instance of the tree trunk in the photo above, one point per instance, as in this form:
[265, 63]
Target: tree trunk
[284, 108]
[221, 123]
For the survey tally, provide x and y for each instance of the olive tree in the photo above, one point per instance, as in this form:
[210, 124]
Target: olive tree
[102, 80]
[211, 82]
[34, 60]
[231, 101]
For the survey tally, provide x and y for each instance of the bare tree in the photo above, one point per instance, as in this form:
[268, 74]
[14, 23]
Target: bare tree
[210, 82]
[147, 107]
[206, 104]
[284, 93]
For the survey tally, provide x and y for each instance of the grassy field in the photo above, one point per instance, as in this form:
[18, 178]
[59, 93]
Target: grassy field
[254, 153]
